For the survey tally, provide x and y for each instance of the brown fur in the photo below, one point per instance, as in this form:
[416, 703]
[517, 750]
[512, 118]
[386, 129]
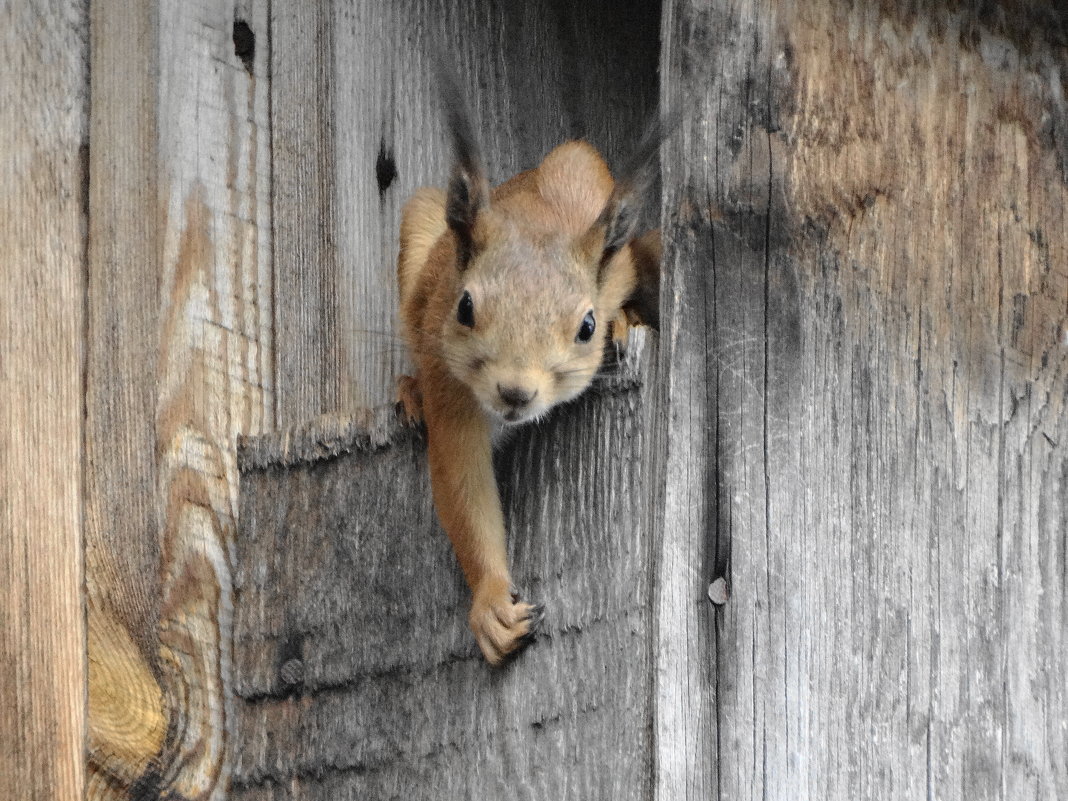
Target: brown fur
[533, 274]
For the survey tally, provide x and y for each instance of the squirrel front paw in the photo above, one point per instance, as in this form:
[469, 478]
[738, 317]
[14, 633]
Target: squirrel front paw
[500, 624]
[410, 398]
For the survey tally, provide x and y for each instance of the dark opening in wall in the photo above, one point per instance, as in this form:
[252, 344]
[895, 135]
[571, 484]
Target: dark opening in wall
[607, 58]
[584, 70]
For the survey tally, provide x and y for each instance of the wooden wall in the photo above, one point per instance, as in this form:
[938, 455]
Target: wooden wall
[179, 362]
[862, 378]
[355, 672]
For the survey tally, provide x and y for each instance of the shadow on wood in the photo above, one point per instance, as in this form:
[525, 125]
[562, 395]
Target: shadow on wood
[355, 670]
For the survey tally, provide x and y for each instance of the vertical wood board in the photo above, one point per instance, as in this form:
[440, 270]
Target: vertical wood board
[180, 363]
[127, 714]
[43, 129]
[214, 376]
[882, 197]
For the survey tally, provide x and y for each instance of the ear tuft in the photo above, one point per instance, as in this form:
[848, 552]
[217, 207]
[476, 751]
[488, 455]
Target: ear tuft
[621, 215]
[468, 191]
[643, 305]
[630, 280]
[466, 197]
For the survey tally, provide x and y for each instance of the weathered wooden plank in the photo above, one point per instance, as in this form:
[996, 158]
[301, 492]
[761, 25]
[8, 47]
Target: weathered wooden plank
[180, 363]
[214, 372]
[304, 251]
[681, 466]
[888, 362]
[127, 716]
[43, 130]
[356, 126]
[356, 673]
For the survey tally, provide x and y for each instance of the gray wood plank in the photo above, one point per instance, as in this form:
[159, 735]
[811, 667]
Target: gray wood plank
[889, 375]
[357, 127]
[356, 674]
[44, 107]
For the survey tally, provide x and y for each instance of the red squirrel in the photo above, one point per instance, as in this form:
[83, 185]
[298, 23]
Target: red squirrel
[505, 298]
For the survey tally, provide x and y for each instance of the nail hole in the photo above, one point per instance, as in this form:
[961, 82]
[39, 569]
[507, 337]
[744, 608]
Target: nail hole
[244, 44]
[385, 168]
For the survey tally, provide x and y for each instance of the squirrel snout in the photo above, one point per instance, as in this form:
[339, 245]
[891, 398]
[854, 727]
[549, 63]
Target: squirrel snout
[516, 397]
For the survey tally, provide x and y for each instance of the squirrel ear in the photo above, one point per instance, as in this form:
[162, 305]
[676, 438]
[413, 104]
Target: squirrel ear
[643, 305]
[618, 222]
[468, 191]
[467, 195]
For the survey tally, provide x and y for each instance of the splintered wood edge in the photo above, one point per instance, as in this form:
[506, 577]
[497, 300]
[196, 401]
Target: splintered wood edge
[330, 435]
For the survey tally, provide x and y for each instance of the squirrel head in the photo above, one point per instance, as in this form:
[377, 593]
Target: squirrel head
[540, 272]
[542, 267]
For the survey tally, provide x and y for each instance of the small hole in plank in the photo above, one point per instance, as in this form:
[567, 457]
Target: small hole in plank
[385, 168]
[244, 44]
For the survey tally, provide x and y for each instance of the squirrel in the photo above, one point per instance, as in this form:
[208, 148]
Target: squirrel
[505, 301]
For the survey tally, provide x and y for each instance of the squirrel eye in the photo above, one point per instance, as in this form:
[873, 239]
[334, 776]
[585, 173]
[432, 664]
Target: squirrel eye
[465, 312]
[585, 332]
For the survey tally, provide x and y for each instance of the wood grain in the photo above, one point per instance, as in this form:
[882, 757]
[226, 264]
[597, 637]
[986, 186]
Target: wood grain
[180, 363]
[127, 713]
[357, 128]
[43, 131]
[357, 675]
[214, 374]
[877, 198]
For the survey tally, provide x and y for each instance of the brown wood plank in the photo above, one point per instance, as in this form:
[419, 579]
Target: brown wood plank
[357, 128]
[356, 673]
[43, 133]
[127, 710]
[181, 362]
[885, 192]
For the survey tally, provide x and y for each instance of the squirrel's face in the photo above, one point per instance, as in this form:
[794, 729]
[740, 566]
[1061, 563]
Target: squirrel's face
[527, 326]
[541, 271]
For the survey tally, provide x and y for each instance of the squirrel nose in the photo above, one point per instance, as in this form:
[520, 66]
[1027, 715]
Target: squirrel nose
[517, 397]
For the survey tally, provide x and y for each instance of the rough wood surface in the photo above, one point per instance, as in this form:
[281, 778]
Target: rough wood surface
[868, 215]
[180, 363]
[855, 436]
[44, 86]
[357, 127]
[357, 675]
[127, 711]
[215, 366]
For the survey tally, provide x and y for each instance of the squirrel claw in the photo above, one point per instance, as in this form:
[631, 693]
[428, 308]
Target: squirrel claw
[410, 399]
[501, 625]
[537, 617]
